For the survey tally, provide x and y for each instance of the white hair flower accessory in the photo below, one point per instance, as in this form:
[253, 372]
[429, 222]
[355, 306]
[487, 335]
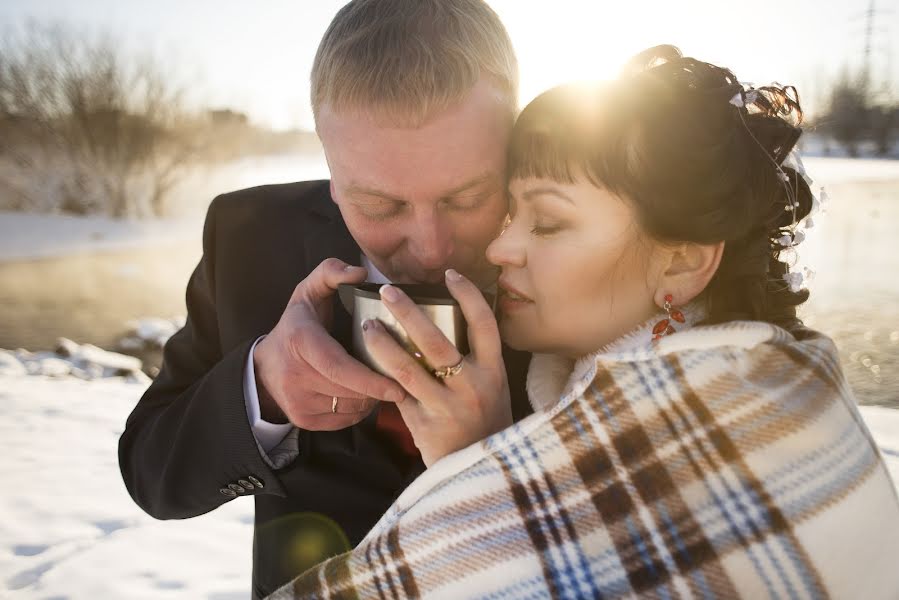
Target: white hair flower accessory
[790, 235]
[794, 161]
[742, 98]
[794, 280]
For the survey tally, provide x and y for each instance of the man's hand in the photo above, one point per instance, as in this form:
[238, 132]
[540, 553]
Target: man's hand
[300, 368]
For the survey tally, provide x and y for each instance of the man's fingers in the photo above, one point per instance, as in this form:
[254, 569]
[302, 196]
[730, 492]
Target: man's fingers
[332, 422]
[324, 279]
[344, 406]
[407, 371]
[483, 332]
[334, 364]
[316, 382]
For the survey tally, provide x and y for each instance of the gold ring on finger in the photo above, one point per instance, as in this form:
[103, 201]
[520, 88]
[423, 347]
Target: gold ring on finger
[447, 372]
[334, 404]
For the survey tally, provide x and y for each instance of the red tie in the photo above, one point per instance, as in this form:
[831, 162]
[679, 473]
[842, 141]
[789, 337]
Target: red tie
[391, 424]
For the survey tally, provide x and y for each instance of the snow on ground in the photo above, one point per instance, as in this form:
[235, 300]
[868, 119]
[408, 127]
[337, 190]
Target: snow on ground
[830, 171]
[68, 528]
[150, 332]
[70, 359]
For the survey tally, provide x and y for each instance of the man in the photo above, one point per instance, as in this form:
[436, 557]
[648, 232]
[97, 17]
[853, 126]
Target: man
[413, 102]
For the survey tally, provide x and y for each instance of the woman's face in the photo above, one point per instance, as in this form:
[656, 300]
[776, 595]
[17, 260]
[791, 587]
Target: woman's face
[575, 268]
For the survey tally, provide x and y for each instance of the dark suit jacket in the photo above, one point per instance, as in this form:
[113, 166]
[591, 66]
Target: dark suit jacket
[189, 435]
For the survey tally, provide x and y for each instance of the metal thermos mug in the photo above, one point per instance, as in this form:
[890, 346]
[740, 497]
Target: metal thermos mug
[363, 302]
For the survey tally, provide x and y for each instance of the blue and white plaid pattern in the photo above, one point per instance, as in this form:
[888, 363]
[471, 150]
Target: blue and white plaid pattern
[725, 461]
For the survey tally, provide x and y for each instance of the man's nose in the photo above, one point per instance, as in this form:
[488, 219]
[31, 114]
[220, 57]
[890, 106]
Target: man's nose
[432, 242]
[507, 249]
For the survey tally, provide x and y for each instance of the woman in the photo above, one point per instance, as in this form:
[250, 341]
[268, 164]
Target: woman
[690, 437]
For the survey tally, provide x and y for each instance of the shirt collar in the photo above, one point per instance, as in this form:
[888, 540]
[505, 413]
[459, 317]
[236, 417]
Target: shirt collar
[374, 275]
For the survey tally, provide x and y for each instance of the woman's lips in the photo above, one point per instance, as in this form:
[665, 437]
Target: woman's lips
[510, 299]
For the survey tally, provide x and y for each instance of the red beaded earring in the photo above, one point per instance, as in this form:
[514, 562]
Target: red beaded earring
[664, 326]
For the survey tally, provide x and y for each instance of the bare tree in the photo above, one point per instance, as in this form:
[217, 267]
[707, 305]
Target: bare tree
[86, 128]
[848, 114]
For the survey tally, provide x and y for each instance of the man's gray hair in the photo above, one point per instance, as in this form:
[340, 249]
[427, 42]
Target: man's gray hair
[406, 60]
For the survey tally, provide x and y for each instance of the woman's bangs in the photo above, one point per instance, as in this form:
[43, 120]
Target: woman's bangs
[542, 155]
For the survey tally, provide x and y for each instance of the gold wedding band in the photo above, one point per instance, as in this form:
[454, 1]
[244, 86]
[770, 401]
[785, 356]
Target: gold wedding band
[447, 372]
[334, 404]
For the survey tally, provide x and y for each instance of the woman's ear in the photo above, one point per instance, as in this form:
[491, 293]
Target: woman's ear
[690, 268]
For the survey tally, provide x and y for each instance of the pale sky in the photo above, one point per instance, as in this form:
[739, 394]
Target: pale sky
[256, 57]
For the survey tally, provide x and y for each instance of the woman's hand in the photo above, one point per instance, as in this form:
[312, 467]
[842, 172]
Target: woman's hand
[449, 414]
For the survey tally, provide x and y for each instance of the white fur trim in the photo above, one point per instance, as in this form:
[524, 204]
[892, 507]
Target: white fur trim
[547, 375]
[552, 378]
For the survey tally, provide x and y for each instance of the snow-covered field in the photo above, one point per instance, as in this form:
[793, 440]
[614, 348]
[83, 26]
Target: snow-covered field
[69, 530]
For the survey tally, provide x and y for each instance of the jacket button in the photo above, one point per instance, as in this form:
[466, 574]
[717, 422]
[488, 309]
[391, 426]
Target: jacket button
[246, 484]
[255, 482]
[236, 488]
[227, 492]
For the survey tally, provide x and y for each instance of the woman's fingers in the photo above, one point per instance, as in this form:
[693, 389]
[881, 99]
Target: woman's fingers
[483, 332]
[426, 336]
[398, 363]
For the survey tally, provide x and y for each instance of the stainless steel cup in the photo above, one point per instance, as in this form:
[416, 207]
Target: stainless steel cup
[363, 302]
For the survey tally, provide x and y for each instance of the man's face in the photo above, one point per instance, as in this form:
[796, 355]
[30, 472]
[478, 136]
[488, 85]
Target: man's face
[421, 200]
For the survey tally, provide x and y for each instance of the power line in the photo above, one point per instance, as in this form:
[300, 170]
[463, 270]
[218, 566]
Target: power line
[870, 16]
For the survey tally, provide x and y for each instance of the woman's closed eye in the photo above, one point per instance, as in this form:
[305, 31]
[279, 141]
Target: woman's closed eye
[546, 229]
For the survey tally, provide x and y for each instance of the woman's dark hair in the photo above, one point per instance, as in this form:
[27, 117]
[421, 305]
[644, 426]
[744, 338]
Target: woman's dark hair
[696, 167]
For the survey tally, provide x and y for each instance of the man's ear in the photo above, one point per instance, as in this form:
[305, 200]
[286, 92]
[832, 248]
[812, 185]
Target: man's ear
[690, 268]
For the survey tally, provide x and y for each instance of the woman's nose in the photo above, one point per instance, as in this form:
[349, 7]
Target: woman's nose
[507, 249]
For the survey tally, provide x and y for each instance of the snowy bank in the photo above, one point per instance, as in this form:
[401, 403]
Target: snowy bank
[88, 362]
[68, 528]
[83, 361]
[150, 332]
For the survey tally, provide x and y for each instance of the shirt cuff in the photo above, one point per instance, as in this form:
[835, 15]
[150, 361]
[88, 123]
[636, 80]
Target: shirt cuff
[268, 435]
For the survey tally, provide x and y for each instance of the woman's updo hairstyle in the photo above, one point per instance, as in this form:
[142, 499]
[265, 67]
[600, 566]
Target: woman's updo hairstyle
[666, 137]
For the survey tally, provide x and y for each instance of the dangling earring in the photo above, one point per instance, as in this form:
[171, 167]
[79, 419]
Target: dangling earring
[664, 326]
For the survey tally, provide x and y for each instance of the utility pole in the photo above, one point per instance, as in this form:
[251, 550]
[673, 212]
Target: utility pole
[869, 35]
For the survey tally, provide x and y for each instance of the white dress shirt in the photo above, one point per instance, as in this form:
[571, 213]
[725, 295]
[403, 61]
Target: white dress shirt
[269, 435]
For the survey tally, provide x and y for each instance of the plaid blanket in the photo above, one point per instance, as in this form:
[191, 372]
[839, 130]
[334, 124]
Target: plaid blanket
[723, 461]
